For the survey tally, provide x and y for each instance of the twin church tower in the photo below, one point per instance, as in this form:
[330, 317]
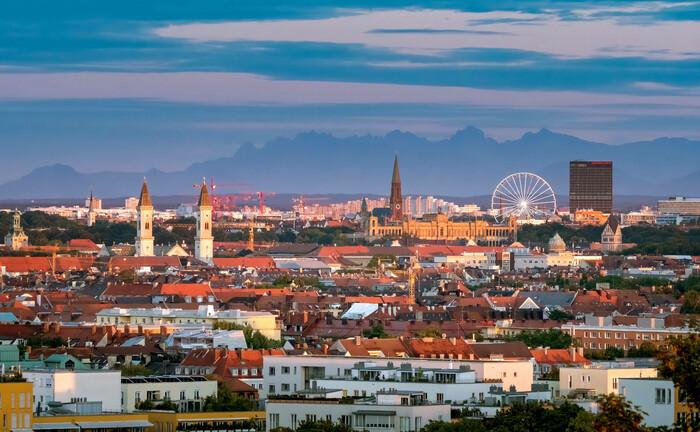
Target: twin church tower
[203, 241]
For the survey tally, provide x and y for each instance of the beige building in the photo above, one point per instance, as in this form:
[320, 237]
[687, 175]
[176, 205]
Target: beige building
[265, 322]
[187, 392]
[600, 378]
[680, 205]
[611, 239]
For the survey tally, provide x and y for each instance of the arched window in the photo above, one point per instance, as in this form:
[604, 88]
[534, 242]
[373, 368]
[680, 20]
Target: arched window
[147, 226]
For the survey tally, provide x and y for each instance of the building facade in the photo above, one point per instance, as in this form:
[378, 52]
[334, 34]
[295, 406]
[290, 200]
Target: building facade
[187, 392]
[16, 238]
[680, 206]
[591, 186]
[15, 405]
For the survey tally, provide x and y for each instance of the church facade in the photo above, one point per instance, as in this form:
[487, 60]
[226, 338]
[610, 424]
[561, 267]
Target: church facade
[392, 222]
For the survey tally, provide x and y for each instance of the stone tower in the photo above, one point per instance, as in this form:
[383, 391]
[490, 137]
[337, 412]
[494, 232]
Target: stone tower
[204, 240]
[611, 239]
[144, 223]
[16, 238]
[91, 211]
[396, 200]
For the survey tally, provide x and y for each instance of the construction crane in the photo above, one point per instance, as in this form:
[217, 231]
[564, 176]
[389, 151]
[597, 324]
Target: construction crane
[212, 186]
[261, 196]
[301, 201]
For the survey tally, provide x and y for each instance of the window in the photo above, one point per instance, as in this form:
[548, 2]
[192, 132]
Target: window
[137, 397]
[294, 421]
[440, 398]
[196, 394]
[614, 383]
[310, 417]
[660, 396]
[594, 335]
[285, 387]
[271, 371]
[274, 421]
[182, 395]
[167, 394]
[346, 419]
[285, 369]
[404, 424]
[271, 389]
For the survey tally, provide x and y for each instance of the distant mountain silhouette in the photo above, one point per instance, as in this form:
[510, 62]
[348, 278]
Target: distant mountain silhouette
[466, 164]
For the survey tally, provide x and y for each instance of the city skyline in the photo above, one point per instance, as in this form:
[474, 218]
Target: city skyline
[114, 89]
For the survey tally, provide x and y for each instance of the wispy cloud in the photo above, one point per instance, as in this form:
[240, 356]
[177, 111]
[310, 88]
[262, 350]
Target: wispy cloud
[584, 37]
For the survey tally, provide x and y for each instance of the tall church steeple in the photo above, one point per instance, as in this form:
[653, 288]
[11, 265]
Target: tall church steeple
[144, 223]
[91, 211]
[204, 240]
[396, 200]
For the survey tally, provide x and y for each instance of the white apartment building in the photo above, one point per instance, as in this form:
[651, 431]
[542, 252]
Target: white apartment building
[655, 396]
[393, 410]
[265, 322]
[287, 375]
[186, 340]
[439, 385]
[76, 386]
[526, 262]
[187, 392]
[600, 378]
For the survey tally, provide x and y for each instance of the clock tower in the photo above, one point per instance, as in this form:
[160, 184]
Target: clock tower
[396, 200]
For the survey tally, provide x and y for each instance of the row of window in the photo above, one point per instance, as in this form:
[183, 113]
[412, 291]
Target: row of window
[22, 399]
[608, 335]
[155, 395]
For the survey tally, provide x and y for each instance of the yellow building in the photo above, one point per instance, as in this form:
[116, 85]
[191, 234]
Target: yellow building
[438, 226]
[15, 404]
[95, 423]
[205, 421]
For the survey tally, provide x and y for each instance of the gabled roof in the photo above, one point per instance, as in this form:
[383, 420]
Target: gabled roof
[612, 223]
[557, 356]
[256, 262]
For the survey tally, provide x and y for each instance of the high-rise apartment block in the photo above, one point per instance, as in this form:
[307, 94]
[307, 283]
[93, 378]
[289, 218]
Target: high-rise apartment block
[591, 186]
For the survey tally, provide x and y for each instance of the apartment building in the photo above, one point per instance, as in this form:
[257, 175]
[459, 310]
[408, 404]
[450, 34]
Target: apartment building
[75, 386]
[599, 333]
[15, 404]
[600, 378]
[393, 410]
[655, 396]
[187, 392]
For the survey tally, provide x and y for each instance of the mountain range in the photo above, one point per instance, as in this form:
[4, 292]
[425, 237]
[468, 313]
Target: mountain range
[466, 164]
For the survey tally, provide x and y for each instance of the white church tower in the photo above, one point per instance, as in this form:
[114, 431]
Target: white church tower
[91, 211]
[144, 223]
[204, 241]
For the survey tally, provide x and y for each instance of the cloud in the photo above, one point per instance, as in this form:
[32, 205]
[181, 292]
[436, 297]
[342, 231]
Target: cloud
[586, 35]
[214, 88]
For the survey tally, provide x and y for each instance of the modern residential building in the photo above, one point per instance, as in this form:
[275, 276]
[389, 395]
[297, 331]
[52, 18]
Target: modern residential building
[187, 392]
[75, 386]
[287, 375]
[392, 410]
[655, 397]
[600, 378]
[591, 185]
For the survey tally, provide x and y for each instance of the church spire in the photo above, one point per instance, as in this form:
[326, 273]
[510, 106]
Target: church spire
[144, 198]
[204, 200]
[396, 178]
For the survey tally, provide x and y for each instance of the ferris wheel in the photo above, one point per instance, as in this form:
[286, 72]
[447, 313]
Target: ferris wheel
[523, 195]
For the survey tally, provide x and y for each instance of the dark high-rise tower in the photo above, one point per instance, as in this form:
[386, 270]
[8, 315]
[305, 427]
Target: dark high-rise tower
[591, 186]
[396, 200]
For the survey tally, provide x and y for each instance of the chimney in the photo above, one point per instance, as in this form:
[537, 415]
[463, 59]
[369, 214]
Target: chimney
[57, 327]
[325, 349]
[127, 329]
[306, 317]
[358, 340]
[140, 328]
[572, 351]
[579, 350]
[471, 356]
[93, 330]
[163, 330]
[45, 327]
[29, 350]
[546, 350]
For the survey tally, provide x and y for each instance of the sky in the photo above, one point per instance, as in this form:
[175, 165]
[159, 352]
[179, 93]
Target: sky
[133, 85]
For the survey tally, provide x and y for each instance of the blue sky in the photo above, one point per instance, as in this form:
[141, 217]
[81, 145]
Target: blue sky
[136, 85]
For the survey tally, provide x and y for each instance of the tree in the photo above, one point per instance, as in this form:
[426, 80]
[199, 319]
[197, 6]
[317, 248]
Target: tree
[167, 405]
[533, 417]
[226, 400]
[646, 349]
[555, 339]
[145, 405]
[680, 364]
[323, 426]
[463, 425]
[616, 414]
[583, 422]
[127, 276]
[132, 369]
[560, 315]
[253, 338]
[691, 303]
[377, 331]
[431, 332]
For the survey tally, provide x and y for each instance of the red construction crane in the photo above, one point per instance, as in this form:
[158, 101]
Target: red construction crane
[261, 197]
[213, 186]
[224, 202]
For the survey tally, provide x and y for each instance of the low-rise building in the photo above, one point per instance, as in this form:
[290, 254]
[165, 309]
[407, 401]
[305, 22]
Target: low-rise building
[392, 410]
[15, 403]
[599, 378]
[655, 397]
[75, 386]
[187, 392]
